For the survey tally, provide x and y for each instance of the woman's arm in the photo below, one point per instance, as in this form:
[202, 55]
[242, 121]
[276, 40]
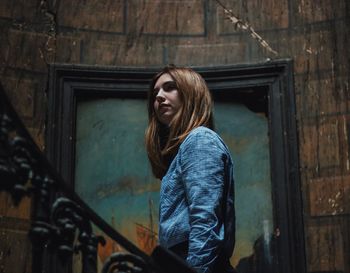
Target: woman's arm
[203, 159]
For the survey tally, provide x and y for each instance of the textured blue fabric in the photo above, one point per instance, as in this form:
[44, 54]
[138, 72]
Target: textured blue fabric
[197, 200]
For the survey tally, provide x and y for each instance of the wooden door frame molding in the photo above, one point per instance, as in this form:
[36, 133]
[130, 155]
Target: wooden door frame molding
[271, 84]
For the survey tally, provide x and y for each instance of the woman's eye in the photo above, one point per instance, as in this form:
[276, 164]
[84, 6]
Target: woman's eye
[168, 86]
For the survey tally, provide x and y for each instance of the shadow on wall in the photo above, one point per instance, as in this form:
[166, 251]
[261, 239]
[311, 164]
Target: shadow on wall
[261, 260]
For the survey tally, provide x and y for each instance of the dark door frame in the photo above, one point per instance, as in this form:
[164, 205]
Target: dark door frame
[266, 87]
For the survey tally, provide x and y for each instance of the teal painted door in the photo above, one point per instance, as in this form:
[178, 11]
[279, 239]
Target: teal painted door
[113, 176]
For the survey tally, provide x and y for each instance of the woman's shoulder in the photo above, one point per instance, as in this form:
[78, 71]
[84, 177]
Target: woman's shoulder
[202, 131]
[203, 136]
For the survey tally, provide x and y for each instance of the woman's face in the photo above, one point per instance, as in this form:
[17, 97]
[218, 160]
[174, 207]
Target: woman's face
[167, 99]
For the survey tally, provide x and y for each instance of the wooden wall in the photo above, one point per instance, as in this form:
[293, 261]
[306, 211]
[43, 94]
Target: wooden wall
[142, 33]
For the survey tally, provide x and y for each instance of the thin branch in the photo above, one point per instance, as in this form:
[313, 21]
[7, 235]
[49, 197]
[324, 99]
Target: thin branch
[240, 24]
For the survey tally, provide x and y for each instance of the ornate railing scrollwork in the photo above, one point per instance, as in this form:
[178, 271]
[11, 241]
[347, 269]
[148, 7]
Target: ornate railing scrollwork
[70, 220]
[124, 263]
[15, 160]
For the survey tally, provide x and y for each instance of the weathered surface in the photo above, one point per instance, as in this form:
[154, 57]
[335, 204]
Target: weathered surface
[314, 33]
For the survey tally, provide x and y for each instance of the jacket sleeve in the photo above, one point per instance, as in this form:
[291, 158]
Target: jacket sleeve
[203, 174]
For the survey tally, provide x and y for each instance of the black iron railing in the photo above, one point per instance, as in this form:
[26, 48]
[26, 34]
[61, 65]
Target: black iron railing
[61, 223]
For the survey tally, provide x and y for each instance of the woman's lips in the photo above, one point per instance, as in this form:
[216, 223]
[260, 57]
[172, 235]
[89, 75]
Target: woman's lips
[163, 108]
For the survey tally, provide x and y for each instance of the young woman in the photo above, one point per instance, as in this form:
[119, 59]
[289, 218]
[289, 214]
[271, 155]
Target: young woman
[197, 218]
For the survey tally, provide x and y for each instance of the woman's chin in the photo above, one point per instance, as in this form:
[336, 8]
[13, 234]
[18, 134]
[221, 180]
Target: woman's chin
[165, 120]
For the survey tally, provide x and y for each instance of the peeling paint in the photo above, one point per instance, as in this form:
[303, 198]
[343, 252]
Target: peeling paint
[240, 24]
[346, 141]
[308, 50]
[50, 45]
[338, 195]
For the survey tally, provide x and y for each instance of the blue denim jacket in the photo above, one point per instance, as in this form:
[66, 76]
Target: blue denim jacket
[197, 200]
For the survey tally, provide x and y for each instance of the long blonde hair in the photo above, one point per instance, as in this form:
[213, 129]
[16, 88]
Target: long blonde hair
[162, 142]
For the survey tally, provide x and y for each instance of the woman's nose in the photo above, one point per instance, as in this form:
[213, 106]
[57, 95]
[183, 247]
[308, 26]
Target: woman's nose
[160, 96]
